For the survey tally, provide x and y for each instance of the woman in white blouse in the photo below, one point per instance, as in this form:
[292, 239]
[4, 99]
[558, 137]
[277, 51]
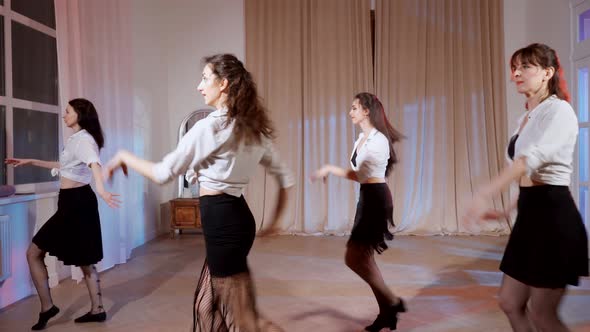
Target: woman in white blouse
[548, 247]
[73, 233]
[371, 162]
[223, 151]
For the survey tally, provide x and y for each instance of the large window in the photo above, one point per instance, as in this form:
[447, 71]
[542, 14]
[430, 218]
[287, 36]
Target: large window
[29, 95]
[582, 107]
[2, 144]
[581, 58]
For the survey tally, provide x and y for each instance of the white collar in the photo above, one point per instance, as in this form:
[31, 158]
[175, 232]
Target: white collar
[371, 134]
[78, 133]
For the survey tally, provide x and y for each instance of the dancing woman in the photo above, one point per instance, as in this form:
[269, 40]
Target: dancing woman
[222, 152]
[73, 233]
[371, 162]
[548, 246]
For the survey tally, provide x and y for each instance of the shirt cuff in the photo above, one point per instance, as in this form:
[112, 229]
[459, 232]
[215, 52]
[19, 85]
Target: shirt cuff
[286, 180]
[531, 160]
[191, 176]
[54, 171]
[161, 173]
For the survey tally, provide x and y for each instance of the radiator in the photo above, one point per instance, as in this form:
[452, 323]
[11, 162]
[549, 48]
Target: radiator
[5, 247]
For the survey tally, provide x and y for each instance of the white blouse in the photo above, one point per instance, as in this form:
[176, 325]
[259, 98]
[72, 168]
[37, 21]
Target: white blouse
[78, 154]
[372, 157]
[208, 153]
[547, 141]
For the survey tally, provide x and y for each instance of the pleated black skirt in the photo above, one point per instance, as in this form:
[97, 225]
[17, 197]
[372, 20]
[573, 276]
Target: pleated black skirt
[548, 247]
[73, 233]
[374, 215]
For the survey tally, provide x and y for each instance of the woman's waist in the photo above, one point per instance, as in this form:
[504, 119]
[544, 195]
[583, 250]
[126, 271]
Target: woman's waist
[220, 188]
[539, 191]
[370, 175]
[540, 179]
[76, 174]
[372, 180]
[66, 183]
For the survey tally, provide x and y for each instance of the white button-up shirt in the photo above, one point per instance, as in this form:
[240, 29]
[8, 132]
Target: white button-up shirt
[78, 154]
[371, 157]
[207, 152]
[547, 141]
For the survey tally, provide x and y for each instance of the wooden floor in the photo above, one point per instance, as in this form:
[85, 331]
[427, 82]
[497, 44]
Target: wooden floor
[449, 283]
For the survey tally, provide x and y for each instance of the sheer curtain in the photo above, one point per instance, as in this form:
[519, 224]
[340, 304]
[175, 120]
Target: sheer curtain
[309, 58]
[95, 63]
[440, 73]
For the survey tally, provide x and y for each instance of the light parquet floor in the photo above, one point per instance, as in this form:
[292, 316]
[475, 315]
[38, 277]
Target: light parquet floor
[449, 283]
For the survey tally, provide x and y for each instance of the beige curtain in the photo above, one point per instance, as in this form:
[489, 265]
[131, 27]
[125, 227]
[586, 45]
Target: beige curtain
[309, 58]
[440, 73]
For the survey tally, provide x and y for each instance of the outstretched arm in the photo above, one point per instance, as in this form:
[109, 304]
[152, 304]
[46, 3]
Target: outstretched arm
[125, 159]
[193, 148]
[34, 162]
[326, 170]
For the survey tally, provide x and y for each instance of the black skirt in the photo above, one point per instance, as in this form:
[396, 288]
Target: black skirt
[548, 247]
[374, 215]
[229, 230]
[73, 233]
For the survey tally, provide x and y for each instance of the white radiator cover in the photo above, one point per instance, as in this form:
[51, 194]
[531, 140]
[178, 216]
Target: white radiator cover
[5, 247]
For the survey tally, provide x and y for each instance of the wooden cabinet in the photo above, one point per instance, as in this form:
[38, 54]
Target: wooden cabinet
[184, 214]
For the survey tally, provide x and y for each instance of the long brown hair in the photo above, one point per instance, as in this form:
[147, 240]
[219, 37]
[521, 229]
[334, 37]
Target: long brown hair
[543, 56]
[243, 103]
[379, 120]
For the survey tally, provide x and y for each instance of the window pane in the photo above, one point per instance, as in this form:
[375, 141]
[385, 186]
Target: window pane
[34, 65]
[584, 26]
[583, 153]
[583, 94]
[35, 136]
[2, 59]
[583, 204]
[2, 144]
[42, 11]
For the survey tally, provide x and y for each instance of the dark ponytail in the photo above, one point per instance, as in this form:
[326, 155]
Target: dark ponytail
[379, 120]
[88, 119]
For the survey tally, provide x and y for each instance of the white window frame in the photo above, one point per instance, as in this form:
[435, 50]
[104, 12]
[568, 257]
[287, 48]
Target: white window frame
[580, 59]
[11, 103]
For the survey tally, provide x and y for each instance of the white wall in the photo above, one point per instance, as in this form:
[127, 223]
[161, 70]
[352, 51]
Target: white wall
[169, 40]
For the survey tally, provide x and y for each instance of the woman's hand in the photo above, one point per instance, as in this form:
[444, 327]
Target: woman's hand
[111, 199]
[321, 174]
[493, 214]
[477, 209]
[115, 163]
[18, 162]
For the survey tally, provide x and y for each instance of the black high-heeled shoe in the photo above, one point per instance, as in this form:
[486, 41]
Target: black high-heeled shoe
[44, 317]
[388, 318]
